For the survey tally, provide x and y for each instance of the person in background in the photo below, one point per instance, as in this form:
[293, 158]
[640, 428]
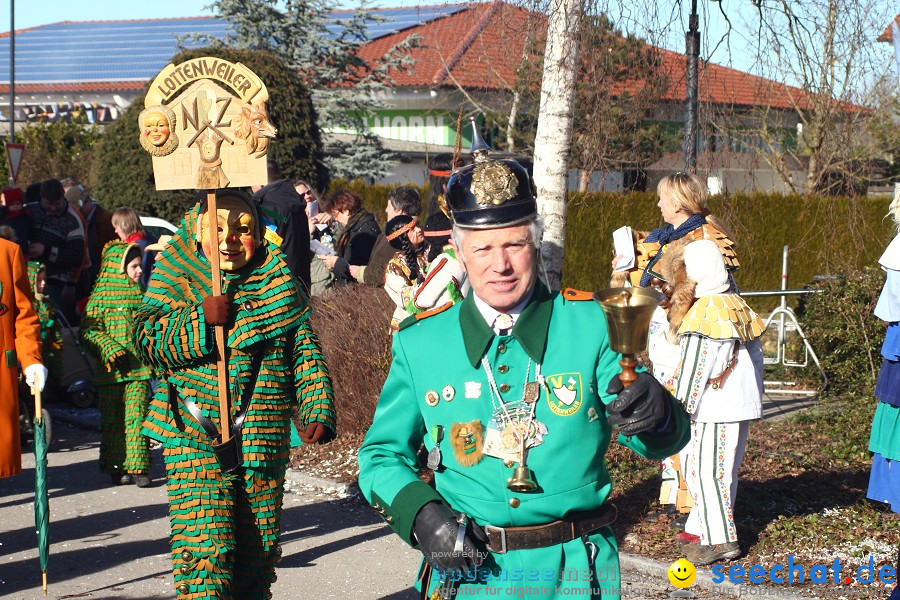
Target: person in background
[56, 239]
[405, 271]
[400, 201]
[720, 386]
[98, 229]
[357, 234]
[445, 280]
[884, 440]
[439, 169]
[127, 225]
[20, 336]
[123, 381]
[683, 207]
[320, 277]
[283, 213]
[15, 216]
[51, 331]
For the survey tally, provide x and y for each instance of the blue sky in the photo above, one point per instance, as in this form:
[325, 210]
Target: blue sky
[668, 20]
[30, 13]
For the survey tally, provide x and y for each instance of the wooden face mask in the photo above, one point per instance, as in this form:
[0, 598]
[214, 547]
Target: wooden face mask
[237, 234]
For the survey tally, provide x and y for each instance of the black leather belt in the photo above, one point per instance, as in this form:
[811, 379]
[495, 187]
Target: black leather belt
[504, 539]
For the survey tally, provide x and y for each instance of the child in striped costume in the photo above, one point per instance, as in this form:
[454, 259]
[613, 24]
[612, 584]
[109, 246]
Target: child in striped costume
[123, 381]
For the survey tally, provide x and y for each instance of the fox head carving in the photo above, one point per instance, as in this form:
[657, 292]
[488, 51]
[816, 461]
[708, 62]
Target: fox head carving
[253, 126]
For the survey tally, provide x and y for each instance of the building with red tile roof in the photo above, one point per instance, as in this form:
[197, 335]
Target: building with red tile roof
[468, 56]
[888, 34]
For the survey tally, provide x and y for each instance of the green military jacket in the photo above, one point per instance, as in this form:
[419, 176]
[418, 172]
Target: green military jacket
[440, 358]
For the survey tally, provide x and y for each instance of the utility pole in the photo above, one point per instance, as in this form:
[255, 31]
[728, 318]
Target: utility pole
[692, 103]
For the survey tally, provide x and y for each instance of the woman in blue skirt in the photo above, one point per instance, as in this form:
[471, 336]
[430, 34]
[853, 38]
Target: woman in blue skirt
[884, 441]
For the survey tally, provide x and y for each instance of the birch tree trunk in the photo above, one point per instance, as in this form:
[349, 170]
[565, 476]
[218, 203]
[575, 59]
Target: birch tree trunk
[553, 139]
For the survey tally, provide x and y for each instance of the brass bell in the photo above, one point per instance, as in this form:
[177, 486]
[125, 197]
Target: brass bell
[184, 588]
[185, 569]
[521, 480]
[186, 555]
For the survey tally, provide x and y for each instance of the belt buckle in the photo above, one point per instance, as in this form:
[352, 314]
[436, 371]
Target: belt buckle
[489, 529]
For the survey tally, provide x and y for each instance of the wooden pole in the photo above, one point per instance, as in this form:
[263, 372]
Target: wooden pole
[224, 411]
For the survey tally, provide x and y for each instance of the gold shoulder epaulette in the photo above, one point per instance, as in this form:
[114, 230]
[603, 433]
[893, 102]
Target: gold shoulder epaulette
[723, 317]
[725, 244]
[413, 319]
[576, 295]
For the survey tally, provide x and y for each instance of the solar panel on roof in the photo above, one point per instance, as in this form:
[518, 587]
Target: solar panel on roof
[96, 51]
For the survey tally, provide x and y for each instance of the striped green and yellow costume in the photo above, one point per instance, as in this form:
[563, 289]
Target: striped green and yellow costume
[123, 381]
[51, 333]
[225, 527]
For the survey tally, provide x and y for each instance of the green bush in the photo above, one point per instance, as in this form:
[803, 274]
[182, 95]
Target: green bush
[827, 236]
[122, 173]
[846, 335]
[58, 150]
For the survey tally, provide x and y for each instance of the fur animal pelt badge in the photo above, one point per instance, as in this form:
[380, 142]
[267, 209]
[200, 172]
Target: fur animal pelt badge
[467, 440]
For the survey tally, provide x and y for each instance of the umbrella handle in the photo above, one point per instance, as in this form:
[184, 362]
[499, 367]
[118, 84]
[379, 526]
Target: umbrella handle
[36, 392]
[44, 581]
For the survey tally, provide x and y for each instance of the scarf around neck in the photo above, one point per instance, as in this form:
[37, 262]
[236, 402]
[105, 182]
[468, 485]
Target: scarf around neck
[667, 234]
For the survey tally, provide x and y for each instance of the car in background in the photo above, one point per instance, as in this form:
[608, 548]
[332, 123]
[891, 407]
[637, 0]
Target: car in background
[156, 227]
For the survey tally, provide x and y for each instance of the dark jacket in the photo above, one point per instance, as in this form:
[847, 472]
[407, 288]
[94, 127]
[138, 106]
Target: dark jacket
[355, 245]
[280, 203]
[382, 254]
[63, 239]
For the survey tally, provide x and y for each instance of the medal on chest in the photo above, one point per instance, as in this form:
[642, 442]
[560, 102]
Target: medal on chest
[434, 455]
[513, 428]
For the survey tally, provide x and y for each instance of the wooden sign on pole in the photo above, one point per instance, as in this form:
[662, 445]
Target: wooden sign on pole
[205, 124]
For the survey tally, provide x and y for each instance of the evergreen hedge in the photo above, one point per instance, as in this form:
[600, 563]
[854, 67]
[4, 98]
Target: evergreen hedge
[828, 236]
[122, 172]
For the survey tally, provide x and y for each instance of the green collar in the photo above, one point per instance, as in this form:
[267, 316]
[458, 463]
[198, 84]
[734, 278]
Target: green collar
[530, 328]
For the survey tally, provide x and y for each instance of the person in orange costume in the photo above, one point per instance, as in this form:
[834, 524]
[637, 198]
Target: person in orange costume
[20, 341]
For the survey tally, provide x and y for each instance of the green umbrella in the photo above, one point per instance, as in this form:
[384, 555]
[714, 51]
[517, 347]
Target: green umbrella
[41, 501]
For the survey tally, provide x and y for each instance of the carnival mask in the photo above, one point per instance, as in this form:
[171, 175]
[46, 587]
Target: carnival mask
[237, 234]
[156, 128]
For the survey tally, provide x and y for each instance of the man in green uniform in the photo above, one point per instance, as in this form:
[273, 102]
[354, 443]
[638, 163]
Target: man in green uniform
[512, 365]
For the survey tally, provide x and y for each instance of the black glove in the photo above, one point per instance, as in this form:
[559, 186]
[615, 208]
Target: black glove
[436, 529]
[642, 407]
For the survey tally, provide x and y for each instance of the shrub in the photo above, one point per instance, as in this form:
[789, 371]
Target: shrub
[59, 150]
[825, 235]
[353, 324]
[846, 335]
[122, 173]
